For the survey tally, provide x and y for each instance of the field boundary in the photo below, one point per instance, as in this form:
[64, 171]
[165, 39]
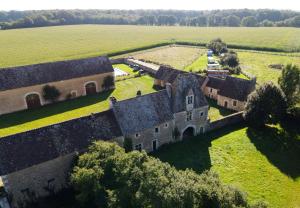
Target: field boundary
[253, 49]
[229, 120]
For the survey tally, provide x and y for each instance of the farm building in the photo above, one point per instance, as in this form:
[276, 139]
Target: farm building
[22, 87]
[230, 92]
[36, 163]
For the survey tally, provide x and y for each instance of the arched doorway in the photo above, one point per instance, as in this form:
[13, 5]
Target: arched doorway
[188, 132]
[33, 101]
[90, 88]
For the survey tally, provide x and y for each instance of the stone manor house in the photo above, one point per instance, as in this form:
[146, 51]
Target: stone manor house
[37, 163]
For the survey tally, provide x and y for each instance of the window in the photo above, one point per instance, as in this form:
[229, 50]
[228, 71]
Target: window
[189, 115]
[137, 135]
[156, 130]
[190, 99]
[210, 89]
[139, 147]
[166, 125]
[234, 103]
[201, 114]
[50, 184]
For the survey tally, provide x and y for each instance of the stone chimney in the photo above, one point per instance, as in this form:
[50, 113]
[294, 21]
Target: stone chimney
[169, 89]
[112, 102]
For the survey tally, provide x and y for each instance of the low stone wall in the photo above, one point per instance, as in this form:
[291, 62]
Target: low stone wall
[226, 121]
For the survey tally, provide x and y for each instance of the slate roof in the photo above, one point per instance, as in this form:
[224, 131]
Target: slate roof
[237, 88]
[33, 147]
[180, 89]
[24, 76]
[143, 112]
[168, 74]
[215, 82]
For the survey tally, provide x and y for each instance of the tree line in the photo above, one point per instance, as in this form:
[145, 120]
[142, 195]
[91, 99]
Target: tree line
[230, 18]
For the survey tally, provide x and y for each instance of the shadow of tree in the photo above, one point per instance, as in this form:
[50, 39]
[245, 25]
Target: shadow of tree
[51, 109]
[223, 111]
[281, 147]
[192, 152]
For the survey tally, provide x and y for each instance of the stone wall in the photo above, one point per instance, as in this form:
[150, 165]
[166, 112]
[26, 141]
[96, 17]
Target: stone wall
[163, 136]
[39, 180]
[117, 61]
[240, 105]
[14, 100]
[211, 93]
[226, 121]
[198, 122]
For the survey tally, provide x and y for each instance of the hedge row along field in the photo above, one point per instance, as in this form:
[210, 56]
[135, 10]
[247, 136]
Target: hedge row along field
[28, 46]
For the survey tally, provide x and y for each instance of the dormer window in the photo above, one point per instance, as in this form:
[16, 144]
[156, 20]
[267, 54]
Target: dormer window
[190, 99]
[189, 116]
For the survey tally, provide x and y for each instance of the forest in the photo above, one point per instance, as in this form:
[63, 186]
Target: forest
[214, 18]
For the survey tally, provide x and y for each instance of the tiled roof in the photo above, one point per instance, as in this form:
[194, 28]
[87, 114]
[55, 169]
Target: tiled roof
[237, 88]
[40, 145]
[215, 82]
[143, 112]
[24, 76]
[167, 74]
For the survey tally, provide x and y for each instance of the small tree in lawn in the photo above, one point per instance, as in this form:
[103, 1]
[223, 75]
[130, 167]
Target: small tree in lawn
[51, 93]
[108, 82]
[230, 59]
[290, 84]
[217, 46]
[128, 146]
[265, 105]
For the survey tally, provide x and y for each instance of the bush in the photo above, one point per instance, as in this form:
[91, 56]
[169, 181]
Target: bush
[230, 59]
[128, 145]
[106, 176]
[217, 46]
[265, 105]
[51, 93]
[108, 83]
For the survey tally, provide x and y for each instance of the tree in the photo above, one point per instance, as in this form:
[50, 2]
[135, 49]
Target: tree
[108, 82]
[290, 84]
[51, 93]
[106, 176]
[230, 59]
[296, 21]
[233, 21]
[265, 105]
[128, 145]
[217, 46]
[249, 21]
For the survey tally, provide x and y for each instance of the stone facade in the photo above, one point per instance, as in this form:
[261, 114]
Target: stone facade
[211, 92]
[15, 99]
[230, 103]
[38, 181]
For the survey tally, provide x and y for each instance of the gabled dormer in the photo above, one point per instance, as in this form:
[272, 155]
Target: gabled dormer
[189, 100]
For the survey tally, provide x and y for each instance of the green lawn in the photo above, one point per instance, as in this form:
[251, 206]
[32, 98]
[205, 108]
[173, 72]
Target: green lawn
[59, 112]
[215, 111]
[36, 45]
[257, 64]
[198, 65]
[264, 164]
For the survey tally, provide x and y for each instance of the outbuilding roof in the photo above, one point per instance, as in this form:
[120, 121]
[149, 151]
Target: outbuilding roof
[24, 76]
[143, 112]
[26, 149]
[237, 88]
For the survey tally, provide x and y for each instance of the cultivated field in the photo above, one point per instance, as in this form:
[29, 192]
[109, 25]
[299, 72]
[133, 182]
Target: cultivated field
[59, 112]
[264, 164]
[28, 46]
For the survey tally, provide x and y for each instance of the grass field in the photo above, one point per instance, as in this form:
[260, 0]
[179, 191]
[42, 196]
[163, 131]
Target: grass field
[35, 45]
[257, 64]
[178, 57]
[215, 111]
[264, 164]
[59, 112]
